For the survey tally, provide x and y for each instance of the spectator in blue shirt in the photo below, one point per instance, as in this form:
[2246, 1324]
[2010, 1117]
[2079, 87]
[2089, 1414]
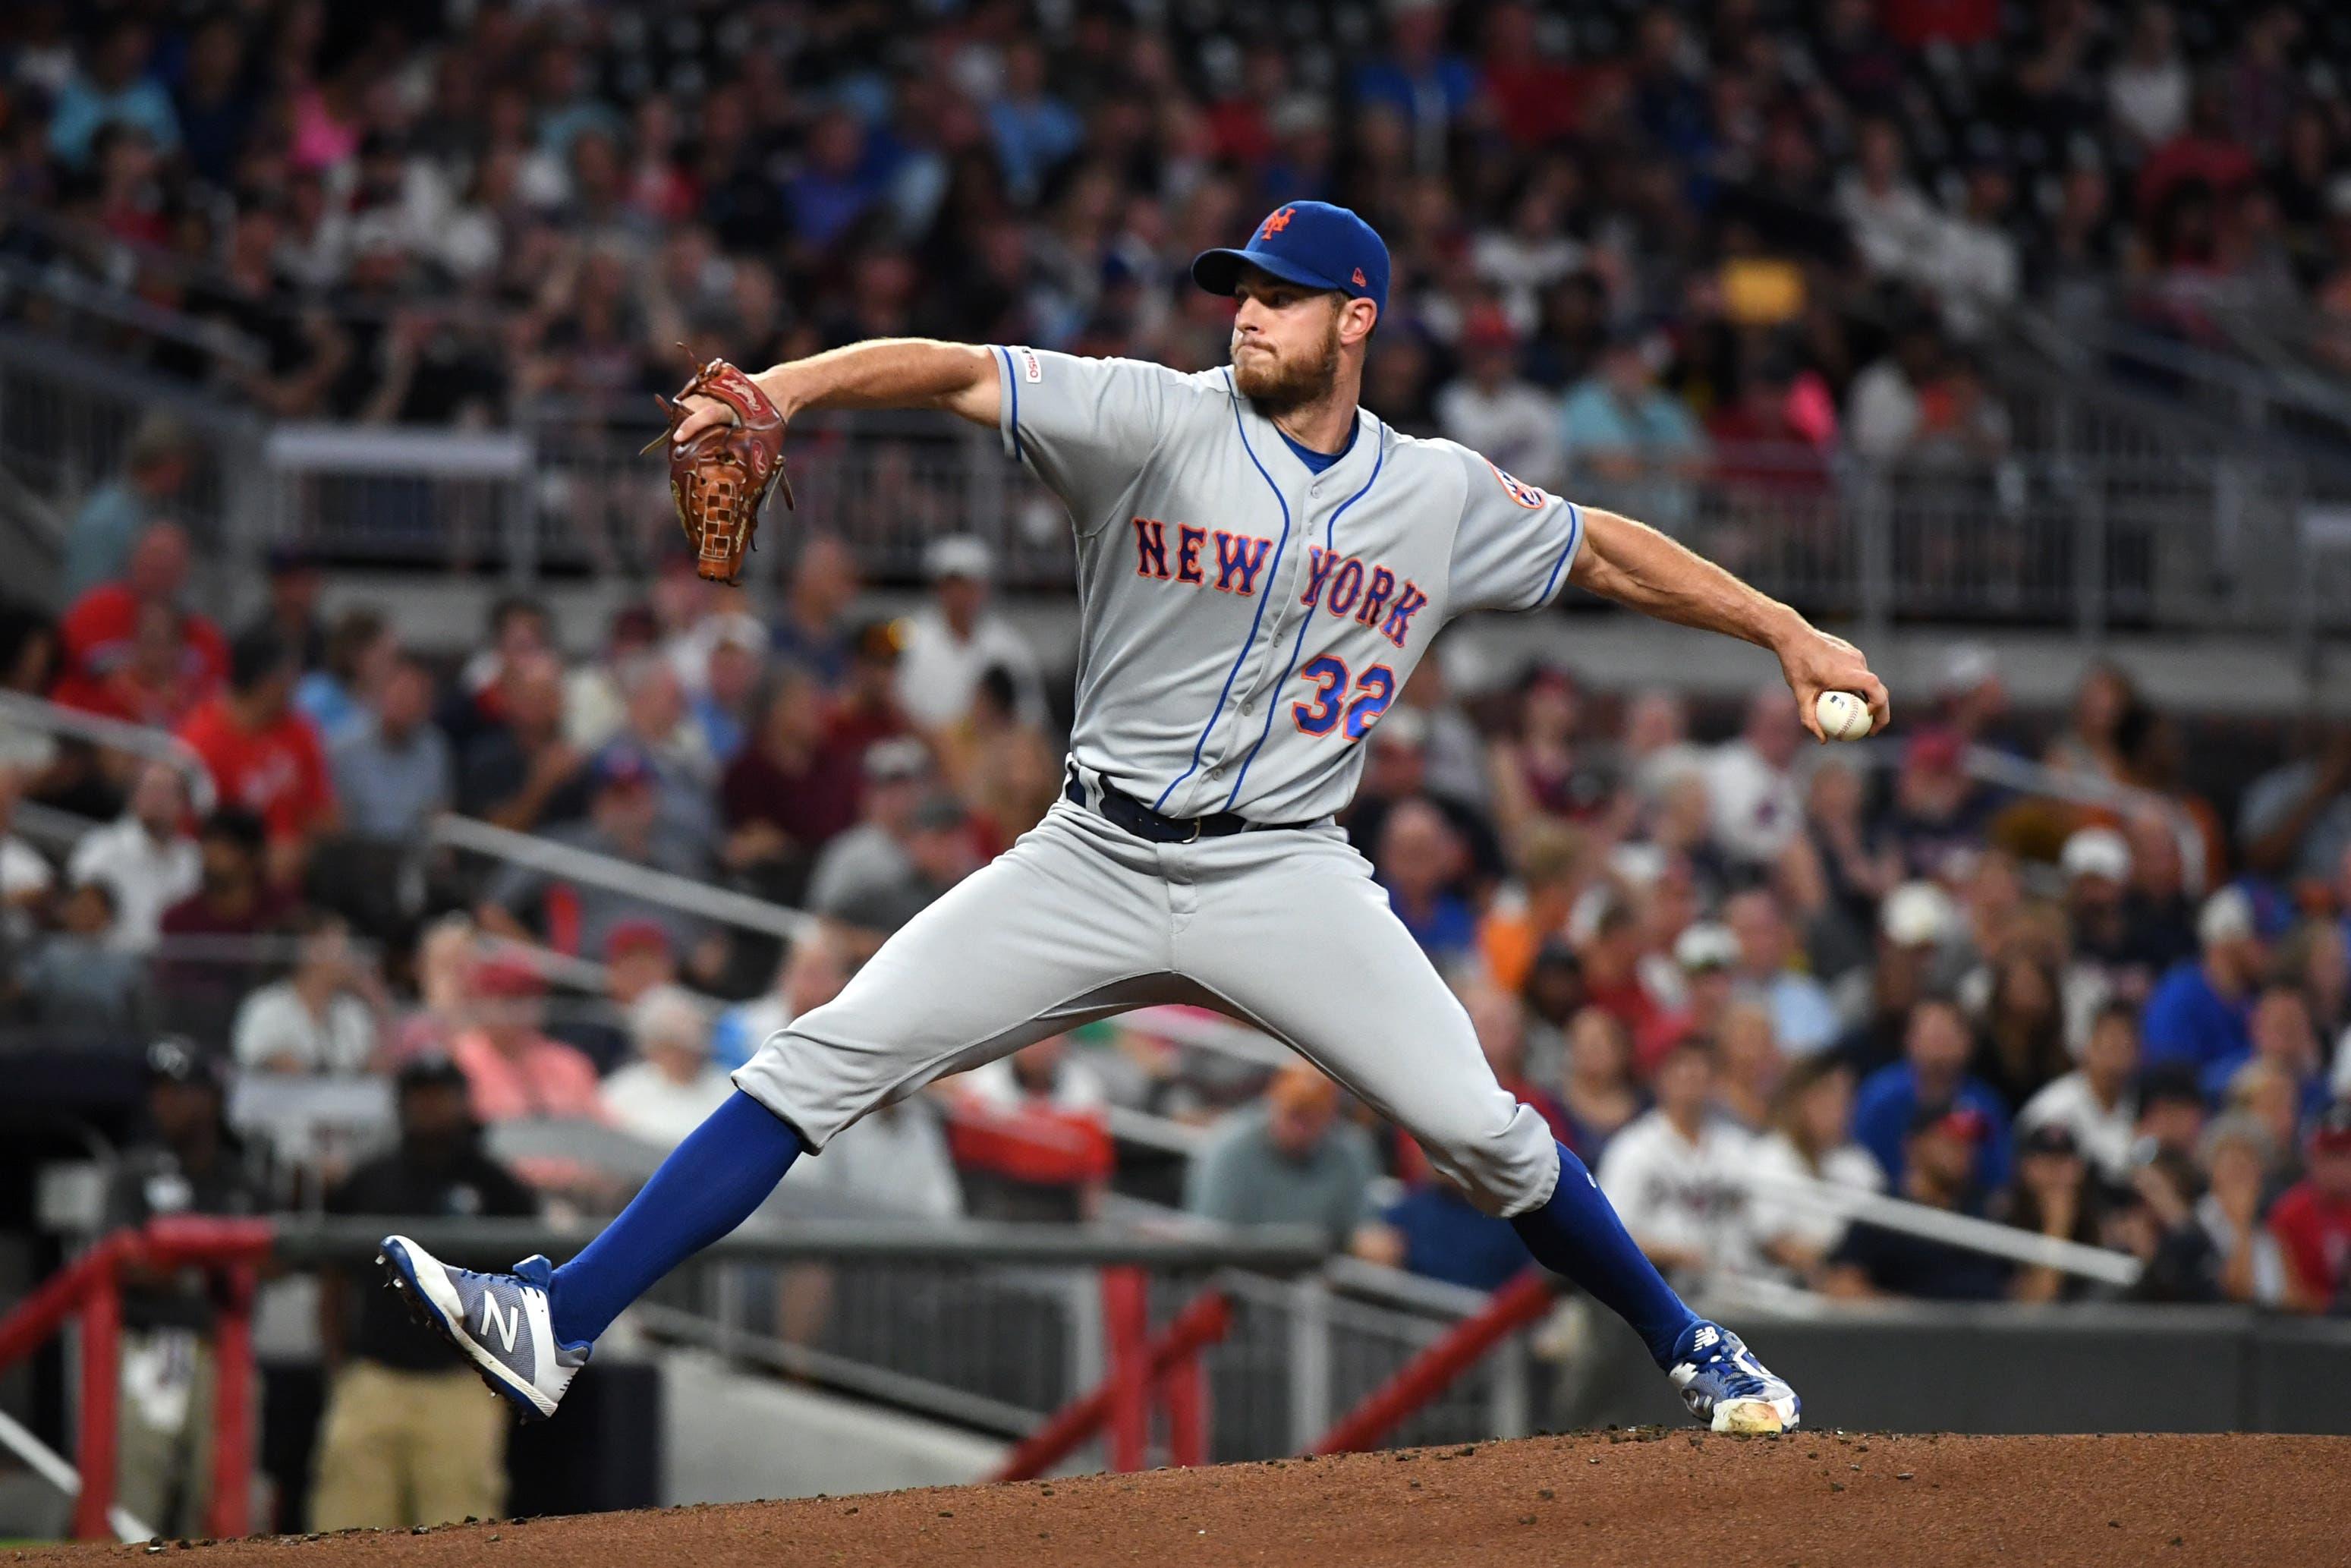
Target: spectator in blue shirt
[2199, 1014]
[1434, 1231]
[116, 90]
[1418, 859]
[1427, 85]
[1933, 1073]
[1629, 443]
[1034, 131]
[2284, 1038]
[837, 182]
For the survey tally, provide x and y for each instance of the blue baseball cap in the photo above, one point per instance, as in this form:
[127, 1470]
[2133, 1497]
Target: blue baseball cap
[1311, 244]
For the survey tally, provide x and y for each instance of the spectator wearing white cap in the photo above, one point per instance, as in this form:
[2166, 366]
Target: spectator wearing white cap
[673, 1084]
[1917, 929]
[955, 638]
[2200, 1012]
[2097, 1101]
[2106, 964]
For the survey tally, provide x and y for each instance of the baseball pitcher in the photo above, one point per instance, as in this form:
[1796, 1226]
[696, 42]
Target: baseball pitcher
[1261, 562]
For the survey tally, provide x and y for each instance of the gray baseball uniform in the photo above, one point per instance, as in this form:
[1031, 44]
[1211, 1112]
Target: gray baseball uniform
[1245, 622]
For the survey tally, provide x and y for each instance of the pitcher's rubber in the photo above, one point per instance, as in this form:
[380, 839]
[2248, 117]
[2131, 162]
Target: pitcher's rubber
[1659, 1496]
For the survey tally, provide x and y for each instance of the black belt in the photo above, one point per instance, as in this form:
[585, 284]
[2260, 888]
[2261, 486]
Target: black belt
[1145, 823]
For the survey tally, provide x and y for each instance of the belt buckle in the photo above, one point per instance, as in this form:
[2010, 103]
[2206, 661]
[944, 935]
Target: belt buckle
[1192, 835]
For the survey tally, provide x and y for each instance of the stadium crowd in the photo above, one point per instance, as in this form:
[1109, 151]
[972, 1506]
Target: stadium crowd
[1621, 236]
[1713, 966]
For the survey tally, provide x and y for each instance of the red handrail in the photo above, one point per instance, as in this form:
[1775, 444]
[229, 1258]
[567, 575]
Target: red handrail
[1204, 1320]
[1429, 1373]
[91, 1288]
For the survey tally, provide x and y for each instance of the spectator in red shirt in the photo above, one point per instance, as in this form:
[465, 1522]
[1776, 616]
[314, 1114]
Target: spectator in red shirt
[206, 959]
[2313, 1220]
[789, 789]
[868, 708]
[262, 753]
[103, 630]
[2206, 151]
[157, 683]
[1915, 24]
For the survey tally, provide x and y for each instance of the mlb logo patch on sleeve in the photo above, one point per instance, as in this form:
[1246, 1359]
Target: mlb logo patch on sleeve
[1029, 369]
[1524, 494]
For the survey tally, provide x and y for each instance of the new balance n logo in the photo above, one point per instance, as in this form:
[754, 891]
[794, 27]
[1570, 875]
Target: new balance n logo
[505, 1329]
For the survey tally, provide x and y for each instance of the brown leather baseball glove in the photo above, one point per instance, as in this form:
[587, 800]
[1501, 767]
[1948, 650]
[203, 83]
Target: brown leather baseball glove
[720, 480]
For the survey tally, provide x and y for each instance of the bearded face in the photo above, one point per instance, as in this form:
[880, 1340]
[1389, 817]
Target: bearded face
[1294, 361]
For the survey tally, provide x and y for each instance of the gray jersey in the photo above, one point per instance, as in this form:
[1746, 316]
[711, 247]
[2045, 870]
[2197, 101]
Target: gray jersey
[1244, 621]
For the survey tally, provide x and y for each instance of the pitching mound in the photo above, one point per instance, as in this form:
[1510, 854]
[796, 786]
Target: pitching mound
[1646, 1497]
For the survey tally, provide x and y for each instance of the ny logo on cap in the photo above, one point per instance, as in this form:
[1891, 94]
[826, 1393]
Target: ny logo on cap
[1276, 224]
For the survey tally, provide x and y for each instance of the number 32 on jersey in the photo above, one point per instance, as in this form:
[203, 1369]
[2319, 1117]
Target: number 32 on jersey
[1333, 707]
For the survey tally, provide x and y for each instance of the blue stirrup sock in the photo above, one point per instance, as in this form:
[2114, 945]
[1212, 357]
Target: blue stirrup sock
[708, 1186]
[1577, 1234]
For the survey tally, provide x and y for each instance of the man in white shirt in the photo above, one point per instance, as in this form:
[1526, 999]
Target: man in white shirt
[146, 857]
[1894, 226]
[1751, 781]
[26, 878]
[952, 641]
[316, 1020]
[1677, 1176]
[1491, 410]
[2096, 1101]
[665, 1093]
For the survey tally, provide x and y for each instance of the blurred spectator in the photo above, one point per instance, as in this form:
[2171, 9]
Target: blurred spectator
[2198, 1014]
[2153, 1218]
[1886, 405]
[1609, 954]
[2295, 820]
[1596, 1092]
[290, 613]
[720, 711]
[2107, 961]
[1917, 924]
[593, 703]
[808, 633]
[1679, 1175]
[1538, 771]
[360, 654]
[2282, 1035]
[146, 859]
[2250, 1263]
[1751, 781]
[186, 1161]
[518, 771]
[1492, 411]
[1706, 955]
[1807, 1142]
[1894, 227]
[156, 468]
[2023, 1028]
[673, 1084]
[623, 824]
[790, 788]
[2162, 915]
[1418, 861]
[638, 959]
[1802, 1018]
[1627, 442]
[131, 641]
[1030, 1135]
[2312, 1221]
[79, 978]
[812, 973]
[1001, 762]
[866, 710]
[1748, 1067]
[2097, 1103]
[2147, 86]
[1859, 865]
[2087, 746]
[873, 855]
[2055, 1199]
[1397, 769]
[1931, 1077]
[513, 1071]
[1942, 1148]
[1938, 813]
[2171, 1108]
[392, 768]
[1290, 1159]
[656, 736]
[1514, 928]
[263, 756]
[448, 956]
[406, 1438]
[320, 1020]
[955, 638]
[201, 986]
[894, 1158]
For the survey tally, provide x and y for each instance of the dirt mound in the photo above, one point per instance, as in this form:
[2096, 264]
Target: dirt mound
[1647, 1497]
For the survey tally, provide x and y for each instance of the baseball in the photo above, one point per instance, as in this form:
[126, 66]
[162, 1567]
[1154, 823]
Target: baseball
[1843, 716]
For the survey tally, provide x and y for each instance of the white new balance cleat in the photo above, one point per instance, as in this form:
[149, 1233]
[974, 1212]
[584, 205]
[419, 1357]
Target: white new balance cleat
[1726, 1387]
[498, 1321]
